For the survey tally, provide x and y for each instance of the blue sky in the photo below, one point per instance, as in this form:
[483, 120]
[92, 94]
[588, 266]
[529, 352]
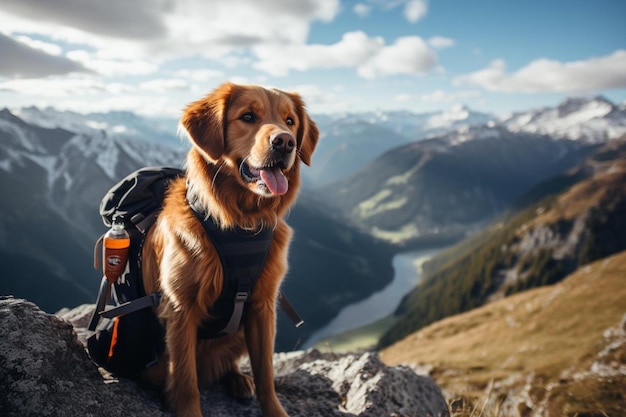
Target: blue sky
[155, 56]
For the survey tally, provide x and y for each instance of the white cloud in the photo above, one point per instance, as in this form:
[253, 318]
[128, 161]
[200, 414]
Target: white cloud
[320, 100]
[47, 47]
[415, 10]
[441, 96]
[112, 67]
[370, 56]
[406, 56]
[440, 42]
[404, 98]
[353, 49]
[162, 29]
[56, 87]
[361, 9]
[545, 75]
[162, 85]
[200, 75]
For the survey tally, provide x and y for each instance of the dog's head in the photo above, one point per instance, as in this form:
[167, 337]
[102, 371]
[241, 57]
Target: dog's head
[258, 133]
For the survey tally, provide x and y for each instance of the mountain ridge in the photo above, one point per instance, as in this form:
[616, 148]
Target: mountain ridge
[535, 246]
[448, 186]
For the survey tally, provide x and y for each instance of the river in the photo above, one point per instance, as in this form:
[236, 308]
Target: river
[407, 272]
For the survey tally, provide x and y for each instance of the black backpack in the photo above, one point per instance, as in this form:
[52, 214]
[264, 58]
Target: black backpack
[126, 342]
[128, 336]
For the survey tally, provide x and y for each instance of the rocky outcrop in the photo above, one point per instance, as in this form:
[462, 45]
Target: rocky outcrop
[45, 371]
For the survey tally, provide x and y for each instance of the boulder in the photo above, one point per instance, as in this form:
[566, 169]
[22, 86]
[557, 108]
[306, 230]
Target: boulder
[45, 371]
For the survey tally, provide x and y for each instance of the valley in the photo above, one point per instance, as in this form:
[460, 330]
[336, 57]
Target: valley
[525, 213]
[379, 305]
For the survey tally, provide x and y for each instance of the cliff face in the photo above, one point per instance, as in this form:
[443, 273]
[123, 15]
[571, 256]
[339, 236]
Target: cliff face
[45, 371]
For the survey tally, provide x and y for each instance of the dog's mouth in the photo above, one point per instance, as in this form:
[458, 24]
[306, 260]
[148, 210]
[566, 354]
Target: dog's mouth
[270, 178]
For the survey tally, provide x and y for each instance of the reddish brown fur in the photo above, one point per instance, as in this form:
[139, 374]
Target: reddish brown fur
[180, 261]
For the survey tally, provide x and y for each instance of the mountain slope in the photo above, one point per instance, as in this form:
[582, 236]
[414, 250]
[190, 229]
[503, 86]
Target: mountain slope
[537, 246]
[54, 180]
[551, 351]
[346, 145]
[441, 188]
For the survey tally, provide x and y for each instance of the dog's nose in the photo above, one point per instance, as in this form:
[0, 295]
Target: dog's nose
[283, 142]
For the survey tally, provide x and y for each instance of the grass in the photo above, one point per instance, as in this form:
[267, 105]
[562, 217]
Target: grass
[547, 332]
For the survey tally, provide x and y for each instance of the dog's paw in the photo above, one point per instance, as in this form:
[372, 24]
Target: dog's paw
[239, 385]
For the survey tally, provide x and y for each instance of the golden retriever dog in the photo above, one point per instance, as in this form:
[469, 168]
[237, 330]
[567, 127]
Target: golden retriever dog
[243, 170]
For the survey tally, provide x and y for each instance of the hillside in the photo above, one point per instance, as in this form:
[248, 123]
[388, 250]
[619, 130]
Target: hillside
[552, 351]
[440, 189]
[349, 141]
[536, 246]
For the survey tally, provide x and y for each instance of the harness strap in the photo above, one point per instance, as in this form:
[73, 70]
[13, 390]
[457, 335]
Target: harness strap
[149, 300]
[290, 310]
[235, 318]
[103, 296]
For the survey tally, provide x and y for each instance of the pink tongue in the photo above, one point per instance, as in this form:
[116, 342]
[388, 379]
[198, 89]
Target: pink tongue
[275, 180]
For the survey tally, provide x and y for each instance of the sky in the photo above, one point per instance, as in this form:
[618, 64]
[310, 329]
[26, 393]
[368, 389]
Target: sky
[153, 57]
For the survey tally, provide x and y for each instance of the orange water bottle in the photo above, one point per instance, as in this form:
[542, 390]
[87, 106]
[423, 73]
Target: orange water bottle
[115, 250]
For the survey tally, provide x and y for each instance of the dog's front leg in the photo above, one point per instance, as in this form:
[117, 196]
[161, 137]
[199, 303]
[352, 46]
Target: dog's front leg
[260, 328]
[182, 378]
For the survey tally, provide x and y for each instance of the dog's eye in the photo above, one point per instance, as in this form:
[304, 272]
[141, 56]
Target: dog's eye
[289, 121]
[248, 117]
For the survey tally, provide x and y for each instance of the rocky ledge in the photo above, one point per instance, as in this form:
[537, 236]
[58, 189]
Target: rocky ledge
[45, 371]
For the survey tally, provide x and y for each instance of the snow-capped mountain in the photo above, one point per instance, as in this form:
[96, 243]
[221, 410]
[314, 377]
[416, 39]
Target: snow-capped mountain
[118, 124]
[69, 156]
[594, 120]
[454, 118]
[52, 180]
[408, 124]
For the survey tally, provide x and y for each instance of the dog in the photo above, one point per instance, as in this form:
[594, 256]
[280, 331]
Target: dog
[243, 170]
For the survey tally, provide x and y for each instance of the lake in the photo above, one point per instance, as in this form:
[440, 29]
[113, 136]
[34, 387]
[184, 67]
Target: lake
[407, 273]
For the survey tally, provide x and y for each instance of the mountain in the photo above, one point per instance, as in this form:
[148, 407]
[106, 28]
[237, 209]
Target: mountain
[119, 124]
[349, 141]
[594, 120]
[346, 145]
[573, 219]
[54, 178]
[409, 124]
[440, 189]
[553, 351]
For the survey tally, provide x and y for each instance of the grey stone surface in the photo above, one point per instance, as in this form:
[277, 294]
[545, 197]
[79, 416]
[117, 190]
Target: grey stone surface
[45, 371]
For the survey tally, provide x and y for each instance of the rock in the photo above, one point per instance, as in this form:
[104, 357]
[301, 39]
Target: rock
[45, 371]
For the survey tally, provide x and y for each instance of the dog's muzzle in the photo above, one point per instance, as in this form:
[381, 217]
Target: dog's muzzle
[270, 178]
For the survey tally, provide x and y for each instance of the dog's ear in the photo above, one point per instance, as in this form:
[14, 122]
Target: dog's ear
[308, 134]
[204, 121]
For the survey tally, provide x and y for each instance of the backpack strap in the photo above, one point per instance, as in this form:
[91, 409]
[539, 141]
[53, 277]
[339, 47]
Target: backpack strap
[103, 296]
[149, 300]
